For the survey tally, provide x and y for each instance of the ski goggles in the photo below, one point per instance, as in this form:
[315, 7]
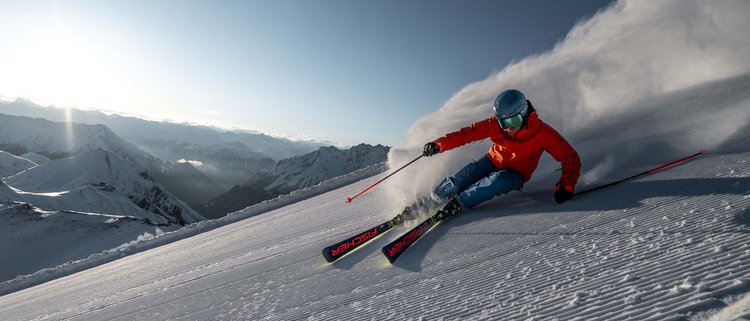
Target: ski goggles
[511, 122]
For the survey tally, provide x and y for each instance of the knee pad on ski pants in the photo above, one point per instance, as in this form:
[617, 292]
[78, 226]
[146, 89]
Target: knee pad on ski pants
[495, 184]
[468, 175]
[447, 188]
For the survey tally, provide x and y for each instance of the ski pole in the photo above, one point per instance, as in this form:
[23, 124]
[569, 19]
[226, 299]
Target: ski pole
[650, 171]
[349, 199]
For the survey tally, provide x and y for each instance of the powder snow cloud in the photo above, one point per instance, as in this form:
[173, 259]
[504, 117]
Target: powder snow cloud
[617, 62]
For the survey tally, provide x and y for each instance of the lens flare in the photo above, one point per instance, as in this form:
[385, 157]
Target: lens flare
[69, 131]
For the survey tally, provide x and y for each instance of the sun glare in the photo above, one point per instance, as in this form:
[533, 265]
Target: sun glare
[69, 133]
[62, 69]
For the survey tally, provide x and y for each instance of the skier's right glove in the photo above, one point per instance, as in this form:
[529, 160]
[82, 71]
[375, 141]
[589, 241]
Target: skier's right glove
[563, 193]
[430, 149]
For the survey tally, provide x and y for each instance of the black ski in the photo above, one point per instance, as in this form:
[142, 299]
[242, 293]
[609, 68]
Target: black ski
[336, 251]
[394, 249]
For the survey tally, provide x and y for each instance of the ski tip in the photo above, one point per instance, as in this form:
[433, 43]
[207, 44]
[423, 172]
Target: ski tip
[349, 200]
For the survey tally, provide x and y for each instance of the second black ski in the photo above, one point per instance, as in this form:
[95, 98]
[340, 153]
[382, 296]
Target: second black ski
[394, 249]
[338, 250]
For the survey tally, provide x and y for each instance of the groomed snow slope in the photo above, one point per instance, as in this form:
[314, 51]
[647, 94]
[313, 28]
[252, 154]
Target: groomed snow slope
[664, 247]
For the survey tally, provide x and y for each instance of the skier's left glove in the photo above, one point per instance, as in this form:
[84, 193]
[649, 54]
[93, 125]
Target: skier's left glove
[563, 193]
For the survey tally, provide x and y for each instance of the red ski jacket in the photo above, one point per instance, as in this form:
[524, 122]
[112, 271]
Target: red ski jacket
[520, 152]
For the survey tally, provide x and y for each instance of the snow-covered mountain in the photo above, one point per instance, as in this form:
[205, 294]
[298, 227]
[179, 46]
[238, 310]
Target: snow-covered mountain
[107, 175]
[99, 182]
[325, 163]
[11, 164]
[297, 173]
[36, 136]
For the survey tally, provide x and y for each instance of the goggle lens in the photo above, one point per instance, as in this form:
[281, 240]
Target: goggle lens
[513, 121]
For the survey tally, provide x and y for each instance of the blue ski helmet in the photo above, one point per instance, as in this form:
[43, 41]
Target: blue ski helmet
[511, 108]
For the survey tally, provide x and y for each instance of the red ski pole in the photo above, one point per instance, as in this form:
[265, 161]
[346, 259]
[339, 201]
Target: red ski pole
[349, 199]
[650, 171]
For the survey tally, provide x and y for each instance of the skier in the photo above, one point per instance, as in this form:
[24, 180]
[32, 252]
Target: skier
[518, 139]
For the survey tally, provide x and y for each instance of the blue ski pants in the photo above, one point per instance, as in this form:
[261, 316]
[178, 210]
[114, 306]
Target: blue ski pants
[477, 182]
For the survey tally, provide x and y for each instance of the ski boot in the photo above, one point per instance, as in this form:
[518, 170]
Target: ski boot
[408, 214]
[420, 208]
[453, 207]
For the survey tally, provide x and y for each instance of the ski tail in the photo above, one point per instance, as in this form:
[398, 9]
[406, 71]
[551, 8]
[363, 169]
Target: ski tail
[340, 249]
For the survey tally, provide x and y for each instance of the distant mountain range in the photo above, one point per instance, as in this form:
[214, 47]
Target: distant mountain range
[209, 170]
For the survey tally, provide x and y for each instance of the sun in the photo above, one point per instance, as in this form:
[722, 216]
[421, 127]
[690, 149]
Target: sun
[61, 68]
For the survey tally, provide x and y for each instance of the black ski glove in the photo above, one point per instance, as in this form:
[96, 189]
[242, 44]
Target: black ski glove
[563, 193]
[430, 149]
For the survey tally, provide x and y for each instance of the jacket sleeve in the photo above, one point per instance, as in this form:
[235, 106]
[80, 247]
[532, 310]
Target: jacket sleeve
[477, 131]
[563, 152]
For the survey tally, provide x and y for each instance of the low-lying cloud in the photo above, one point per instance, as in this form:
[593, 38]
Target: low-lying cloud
[195, 163]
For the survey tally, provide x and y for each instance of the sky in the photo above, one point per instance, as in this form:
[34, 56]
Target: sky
[347, 72]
